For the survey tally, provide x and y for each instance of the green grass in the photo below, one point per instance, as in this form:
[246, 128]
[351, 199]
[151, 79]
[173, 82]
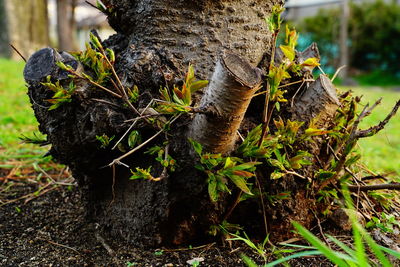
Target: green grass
[16, 114]
[380, 153]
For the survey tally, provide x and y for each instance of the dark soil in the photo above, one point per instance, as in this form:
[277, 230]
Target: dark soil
[51, 230]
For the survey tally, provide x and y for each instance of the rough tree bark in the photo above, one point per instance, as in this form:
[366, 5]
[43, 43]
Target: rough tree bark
[155, 41]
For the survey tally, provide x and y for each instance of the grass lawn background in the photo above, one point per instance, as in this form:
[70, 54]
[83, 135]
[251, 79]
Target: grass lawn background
[381, 153]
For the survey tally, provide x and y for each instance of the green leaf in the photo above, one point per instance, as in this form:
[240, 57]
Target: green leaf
[240, 182]
[293, 256]
[111, 55]
[212, 187]
[276, 163]
[134, 138]
[248, 261]
[198, 148]
[276, 175]
[288, 52]
[197, 85]
[95, 41]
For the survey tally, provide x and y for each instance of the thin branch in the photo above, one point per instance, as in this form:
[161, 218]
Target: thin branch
[118, 160]
[132, 125]
[295, 94]
[355, 188]
[375, 129]
[19, 53]
[337, 72]
[343, 157]
[105, 102]
[93, 83]
[119, 83]
[60, 245]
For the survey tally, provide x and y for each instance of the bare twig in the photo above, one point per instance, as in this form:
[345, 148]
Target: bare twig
[295, 94]
[109, 250]
[350, 141]
[105, 102]
[132, 125]
[375, 129]
[337, 72]
[320, 228]
[355, 188]
[59, 245]
[118, 160]
[19, 53]
[263, 206]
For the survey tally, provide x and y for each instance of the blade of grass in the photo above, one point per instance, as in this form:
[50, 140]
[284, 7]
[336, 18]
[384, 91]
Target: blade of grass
[346, 249]
[319, 245]
[293, 256]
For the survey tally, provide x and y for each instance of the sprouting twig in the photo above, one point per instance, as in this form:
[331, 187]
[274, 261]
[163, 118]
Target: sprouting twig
[119, 83]
[19, 53]
[337, 72]
[355, 188]
[375, 129]
[93, 83]
[164, 173]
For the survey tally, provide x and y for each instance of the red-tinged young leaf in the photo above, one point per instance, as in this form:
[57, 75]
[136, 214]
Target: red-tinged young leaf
[310, 62]
[186, 94]
[315, 132]
[243, 174]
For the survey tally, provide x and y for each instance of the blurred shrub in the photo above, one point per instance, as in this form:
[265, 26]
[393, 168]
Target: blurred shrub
[374, 34]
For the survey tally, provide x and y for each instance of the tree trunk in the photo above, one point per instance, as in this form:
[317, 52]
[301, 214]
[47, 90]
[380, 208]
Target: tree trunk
[4, 38]
[28, 25]
[156, 40]
[66, 28]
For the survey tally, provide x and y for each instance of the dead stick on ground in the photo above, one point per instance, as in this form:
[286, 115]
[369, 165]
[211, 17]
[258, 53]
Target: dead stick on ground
[60, 245]
[109, 250]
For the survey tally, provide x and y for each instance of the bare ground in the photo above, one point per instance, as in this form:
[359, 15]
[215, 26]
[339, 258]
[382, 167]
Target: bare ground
[43, 223]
